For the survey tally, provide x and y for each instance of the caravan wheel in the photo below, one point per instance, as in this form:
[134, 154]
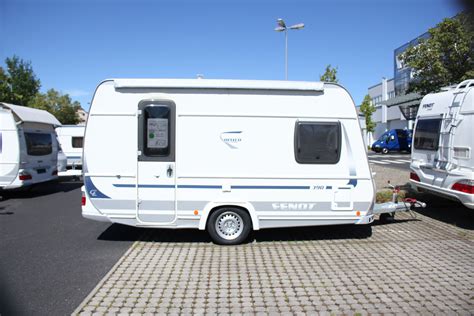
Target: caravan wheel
[229, 226]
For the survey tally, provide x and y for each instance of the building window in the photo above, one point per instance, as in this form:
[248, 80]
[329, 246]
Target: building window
[38, 144]
[77, 142]
[427, 134]
[318, 142]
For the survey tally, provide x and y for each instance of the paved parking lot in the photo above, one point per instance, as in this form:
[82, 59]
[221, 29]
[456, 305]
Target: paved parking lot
[421, 265]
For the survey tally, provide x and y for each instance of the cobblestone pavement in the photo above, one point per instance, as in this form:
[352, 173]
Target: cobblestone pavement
[412, 266]
[421, 266]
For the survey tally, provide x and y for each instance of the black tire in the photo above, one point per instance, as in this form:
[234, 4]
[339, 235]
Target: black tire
[384, 150]
[239, 227]
[387, 217]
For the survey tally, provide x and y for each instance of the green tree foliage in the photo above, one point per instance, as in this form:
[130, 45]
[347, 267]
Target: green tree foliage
[330, 75]
[18, 83]
[445, 58]
[367, 109]
[60, 105]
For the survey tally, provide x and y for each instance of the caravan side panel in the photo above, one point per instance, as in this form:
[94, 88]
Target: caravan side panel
[9, 148]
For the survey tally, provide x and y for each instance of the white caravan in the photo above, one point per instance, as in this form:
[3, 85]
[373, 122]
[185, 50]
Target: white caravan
[442, 160]
[28, 146]
[71, 138]
[227, 156]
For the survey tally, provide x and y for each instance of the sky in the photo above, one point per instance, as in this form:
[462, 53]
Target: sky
[73, 45]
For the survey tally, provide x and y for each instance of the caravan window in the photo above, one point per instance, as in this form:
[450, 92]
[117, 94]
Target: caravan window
[427, 134]
[156, 129]
[318, 142]
[77, 142]
[38, 144]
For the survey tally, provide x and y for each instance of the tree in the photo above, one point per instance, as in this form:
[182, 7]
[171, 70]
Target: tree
[368, 109]
[18, 84]
[330, 75]
[60, 105]
[445, 58]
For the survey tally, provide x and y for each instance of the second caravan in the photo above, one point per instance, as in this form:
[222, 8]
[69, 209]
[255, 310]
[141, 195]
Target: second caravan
[28, 146]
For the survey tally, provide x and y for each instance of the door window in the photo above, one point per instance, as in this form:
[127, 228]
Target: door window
[156, 131]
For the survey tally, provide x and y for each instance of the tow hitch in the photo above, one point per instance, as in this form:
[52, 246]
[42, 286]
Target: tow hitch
[387, 210]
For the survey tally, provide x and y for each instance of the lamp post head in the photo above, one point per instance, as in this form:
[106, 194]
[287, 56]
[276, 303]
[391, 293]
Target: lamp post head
[281, 23]
[280, 29]
[298, 26]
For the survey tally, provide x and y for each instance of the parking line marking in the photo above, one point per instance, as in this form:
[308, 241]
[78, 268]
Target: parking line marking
[380, 162]
[393, 161]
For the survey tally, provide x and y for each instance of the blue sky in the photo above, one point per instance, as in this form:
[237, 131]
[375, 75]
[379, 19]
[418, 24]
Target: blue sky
[73, 45]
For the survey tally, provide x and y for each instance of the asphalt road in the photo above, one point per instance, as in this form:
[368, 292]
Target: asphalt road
[50, 257]
[399, 161]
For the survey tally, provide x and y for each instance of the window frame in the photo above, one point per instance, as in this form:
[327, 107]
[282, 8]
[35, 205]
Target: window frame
[142, 126]
[339, 140]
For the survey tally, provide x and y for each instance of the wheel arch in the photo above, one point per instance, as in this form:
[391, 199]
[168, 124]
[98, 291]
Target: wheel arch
[213, 206]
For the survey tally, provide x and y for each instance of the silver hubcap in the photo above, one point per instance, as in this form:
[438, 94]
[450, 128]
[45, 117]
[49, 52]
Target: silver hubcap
[229, 225]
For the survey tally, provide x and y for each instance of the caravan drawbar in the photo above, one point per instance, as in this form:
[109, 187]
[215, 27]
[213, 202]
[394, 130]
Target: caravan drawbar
[226, 156]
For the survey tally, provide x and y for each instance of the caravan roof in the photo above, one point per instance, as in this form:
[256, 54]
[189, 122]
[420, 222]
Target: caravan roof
[26, 114]
[218, 84]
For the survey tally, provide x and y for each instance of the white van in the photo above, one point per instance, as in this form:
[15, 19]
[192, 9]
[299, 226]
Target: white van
[71, 138]
[442, 161]
[227, 156]
[28, 146]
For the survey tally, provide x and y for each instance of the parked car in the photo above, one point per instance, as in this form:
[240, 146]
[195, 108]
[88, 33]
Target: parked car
[393, 140]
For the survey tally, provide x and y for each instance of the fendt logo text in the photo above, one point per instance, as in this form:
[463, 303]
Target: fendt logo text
[293, 206]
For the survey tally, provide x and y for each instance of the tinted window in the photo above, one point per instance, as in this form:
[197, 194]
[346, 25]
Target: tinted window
[157, 130]
[318, 143]
[427, 134]
[38, 144]
[401, 134]
[77, 142]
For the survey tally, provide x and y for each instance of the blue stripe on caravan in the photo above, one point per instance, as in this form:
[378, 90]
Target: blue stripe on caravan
[270, 187]
[352, 182]
[168, 186]
[188, 186]
[162, 186]
[92, 190]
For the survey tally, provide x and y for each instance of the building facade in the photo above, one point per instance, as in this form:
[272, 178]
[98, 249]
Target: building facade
[82, 115]
[384, 96]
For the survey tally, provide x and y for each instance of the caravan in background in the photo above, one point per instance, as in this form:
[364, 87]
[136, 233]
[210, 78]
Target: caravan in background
[442, 161]
[28, 146]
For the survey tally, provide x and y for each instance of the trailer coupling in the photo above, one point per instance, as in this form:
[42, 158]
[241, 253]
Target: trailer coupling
[392, 207]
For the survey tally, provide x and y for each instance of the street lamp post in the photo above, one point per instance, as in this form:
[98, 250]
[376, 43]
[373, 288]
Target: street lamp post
[283, 28]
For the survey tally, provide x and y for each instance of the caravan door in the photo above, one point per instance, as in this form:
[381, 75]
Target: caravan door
[156, 174]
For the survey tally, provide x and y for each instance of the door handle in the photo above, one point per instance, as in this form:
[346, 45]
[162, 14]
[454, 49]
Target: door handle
[169, 172]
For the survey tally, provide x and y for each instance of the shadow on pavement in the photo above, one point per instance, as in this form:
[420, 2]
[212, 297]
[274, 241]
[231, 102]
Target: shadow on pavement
[40, 189]
[447, 211]
[378, 222]
[118, 232]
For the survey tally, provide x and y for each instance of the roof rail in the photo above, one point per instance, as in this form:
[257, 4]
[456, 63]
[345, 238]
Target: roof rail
[465, 84]
[218, 84]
